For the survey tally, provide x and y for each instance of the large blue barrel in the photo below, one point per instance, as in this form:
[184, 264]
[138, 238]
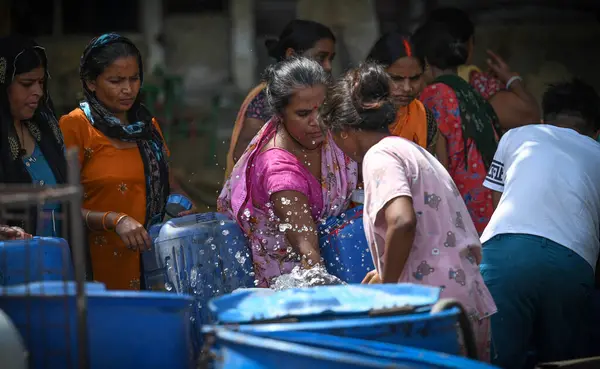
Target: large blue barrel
[309, 350]
[126, 329]
[204, 255]
[344, 246]
[393, 313]
[32, 260]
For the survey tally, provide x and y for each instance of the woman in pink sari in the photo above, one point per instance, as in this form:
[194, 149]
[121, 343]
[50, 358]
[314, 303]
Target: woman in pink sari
[291, 176]
[416, 222]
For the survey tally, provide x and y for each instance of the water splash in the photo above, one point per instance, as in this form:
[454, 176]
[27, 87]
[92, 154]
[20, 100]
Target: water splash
[299, 277]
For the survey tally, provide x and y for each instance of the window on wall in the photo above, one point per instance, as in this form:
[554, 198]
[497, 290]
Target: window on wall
[98, 16]
[195, 6]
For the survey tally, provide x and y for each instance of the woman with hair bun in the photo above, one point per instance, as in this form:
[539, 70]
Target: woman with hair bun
[468, 125]
[415, 220]
[299, 38]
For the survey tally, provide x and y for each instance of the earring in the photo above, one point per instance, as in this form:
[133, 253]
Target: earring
[344, 135]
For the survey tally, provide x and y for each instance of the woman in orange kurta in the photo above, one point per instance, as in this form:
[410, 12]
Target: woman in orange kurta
[413, 121]
[123, 159]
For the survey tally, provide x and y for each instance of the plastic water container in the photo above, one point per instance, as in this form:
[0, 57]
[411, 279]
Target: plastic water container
[394, 313]
[309, 350]
[32, 260]
[126, 329]
[204, 255]
[344, 246]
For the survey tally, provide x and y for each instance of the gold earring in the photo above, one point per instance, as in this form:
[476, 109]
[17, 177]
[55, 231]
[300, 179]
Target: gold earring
[344, 135]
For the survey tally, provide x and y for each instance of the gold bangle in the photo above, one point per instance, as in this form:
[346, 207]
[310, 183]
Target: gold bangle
[104, 220]
[119, 219]
[86, 220]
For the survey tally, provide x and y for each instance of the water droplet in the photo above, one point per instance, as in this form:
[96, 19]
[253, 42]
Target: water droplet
[284, 227]
[225, 232]
[168, 286]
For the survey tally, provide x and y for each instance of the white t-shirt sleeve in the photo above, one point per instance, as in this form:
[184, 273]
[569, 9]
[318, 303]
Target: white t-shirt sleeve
[495, 177]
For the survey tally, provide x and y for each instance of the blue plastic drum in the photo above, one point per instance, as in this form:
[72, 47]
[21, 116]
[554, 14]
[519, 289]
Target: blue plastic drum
[344, 246]
[393, 313]
[33, 260]
[126, 329]
[309, 350]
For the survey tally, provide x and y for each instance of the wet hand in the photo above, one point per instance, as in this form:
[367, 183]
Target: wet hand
[499, 67]
[193, 210]
[13, 233]
[372, 278]
[133, 234]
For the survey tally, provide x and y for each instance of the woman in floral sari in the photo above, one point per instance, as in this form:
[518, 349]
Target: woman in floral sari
[468, 124]
[291, 176]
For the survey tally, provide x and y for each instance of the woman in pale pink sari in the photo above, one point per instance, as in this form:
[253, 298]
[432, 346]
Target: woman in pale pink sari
[416, 222]
[291, 176]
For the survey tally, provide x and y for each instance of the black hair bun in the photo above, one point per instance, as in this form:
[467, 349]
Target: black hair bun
[273, 48]
[379, 116]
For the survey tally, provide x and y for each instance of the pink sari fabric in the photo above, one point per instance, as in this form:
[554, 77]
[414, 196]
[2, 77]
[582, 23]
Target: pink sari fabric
[258, 174]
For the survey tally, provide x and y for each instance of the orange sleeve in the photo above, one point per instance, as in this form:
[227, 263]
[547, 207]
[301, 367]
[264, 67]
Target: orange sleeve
[155, 123]
[74, 128]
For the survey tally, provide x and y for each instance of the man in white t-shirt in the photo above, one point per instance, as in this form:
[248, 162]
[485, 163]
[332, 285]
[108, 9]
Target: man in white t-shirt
[541, 244]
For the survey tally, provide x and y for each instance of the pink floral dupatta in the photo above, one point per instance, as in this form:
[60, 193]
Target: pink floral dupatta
[271, 253]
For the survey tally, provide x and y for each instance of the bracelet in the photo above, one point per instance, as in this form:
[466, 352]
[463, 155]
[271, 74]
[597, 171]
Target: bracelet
[103, 220]
[513, 79]
[119, 218]
[86, 219]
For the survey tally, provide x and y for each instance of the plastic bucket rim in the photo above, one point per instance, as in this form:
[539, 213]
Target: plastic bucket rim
[342, 323]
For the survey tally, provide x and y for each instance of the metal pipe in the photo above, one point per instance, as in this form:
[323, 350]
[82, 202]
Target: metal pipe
[78, 248]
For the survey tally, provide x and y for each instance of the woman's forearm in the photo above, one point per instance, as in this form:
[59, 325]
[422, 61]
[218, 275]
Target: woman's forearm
[529, 103]
[101, 220]
[398, 242]
[306, 244]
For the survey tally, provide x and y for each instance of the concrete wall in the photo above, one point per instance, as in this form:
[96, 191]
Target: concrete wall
[198, 47]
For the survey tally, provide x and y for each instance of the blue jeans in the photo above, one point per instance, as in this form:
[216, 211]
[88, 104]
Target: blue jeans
[543, 292]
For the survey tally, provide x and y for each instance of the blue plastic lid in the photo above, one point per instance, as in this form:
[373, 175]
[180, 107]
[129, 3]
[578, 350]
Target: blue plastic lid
[68, 288]
[245, 307]
[176, 204]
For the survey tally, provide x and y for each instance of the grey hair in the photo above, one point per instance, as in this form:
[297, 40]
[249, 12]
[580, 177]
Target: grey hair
[286, 76]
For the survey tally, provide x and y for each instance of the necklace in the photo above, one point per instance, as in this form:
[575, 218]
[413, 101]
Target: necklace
[22, 151]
